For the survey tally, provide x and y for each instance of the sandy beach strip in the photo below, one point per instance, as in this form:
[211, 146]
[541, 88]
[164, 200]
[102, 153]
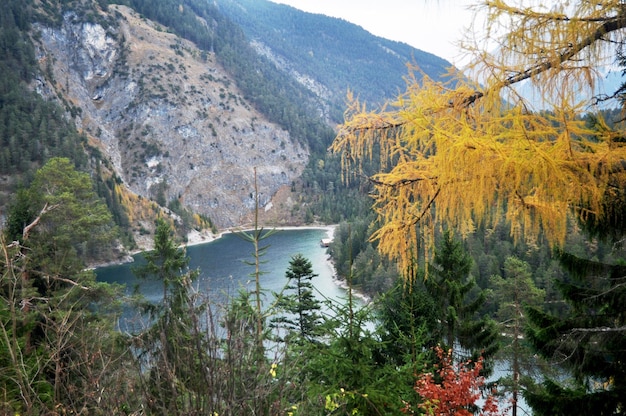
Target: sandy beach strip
[205, 236]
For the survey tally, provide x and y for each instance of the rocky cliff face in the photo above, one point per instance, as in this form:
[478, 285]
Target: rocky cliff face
[171, 121]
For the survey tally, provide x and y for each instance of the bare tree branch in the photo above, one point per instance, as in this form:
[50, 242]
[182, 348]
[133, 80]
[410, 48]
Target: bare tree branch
[30, 226]
[427, 207]
[602, 329]
[611, 25]
[71, 282]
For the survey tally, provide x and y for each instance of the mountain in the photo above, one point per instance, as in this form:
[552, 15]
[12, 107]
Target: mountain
[173, 124]
[329, 55]
[184, 106]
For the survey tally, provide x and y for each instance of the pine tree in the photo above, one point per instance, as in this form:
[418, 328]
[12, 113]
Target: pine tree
[60, 351]
[512, 293]
[71, 224]
[301, 305]
[346, 371]
[408, 322]
[256, 236]
[173, 347]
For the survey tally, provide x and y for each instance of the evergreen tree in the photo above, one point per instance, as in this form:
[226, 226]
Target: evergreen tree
[60, 350]
[256, 236]
[512, 293]
[301, 305]
[73, 226]
[407, 321]
[173, 347]
[346, 375]
[458, 300]
[589, 341]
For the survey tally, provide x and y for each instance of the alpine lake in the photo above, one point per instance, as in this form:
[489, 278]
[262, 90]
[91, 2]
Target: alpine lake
[224, 267]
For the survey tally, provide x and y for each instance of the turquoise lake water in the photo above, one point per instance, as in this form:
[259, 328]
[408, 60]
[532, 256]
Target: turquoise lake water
[223, 268]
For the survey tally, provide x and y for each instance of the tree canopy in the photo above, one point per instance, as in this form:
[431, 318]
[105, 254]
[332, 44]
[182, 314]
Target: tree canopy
[55, 318]
[61, 219]
[475, 149]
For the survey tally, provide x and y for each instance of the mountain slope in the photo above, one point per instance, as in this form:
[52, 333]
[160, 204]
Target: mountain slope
[184, 124]
[169, 117]
[330, 55]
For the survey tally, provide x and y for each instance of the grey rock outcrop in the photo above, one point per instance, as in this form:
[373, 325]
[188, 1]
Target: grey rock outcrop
[168, 117]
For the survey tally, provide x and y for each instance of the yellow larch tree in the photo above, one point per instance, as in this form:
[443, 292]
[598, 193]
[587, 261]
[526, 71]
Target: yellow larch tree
[466, 151]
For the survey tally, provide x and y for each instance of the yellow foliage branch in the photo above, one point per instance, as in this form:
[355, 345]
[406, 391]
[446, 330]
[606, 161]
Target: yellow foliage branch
[461, 157]
[464, 152]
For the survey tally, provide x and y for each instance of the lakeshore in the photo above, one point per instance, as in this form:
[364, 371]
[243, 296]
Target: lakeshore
[195, 238]
[224, 264]
[198, 238]
[201, 237]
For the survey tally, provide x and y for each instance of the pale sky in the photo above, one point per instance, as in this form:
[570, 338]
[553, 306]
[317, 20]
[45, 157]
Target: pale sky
[430, 25]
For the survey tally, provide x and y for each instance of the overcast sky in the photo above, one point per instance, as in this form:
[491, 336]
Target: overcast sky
[430, 25]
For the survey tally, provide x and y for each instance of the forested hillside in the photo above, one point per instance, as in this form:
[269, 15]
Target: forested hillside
[32, 128]
[481, 159]
[331, 56]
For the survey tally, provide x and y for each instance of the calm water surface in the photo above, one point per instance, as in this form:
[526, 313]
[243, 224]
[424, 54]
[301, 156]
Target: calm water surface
[223, 268]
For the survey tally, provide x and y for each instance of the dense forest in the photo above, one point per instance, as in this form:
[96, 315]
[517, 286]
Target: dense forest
[475, 294]
[33, 129]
